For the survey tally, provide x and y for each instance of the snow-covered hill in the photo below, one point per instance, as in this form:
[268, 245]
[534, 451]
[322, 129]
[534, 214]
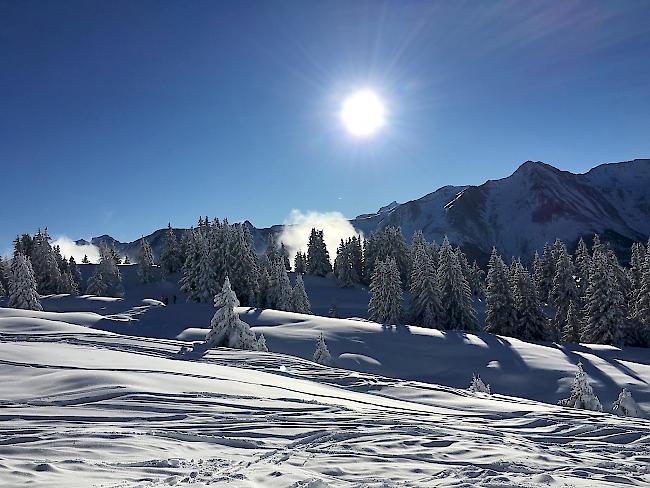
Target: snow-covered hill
[538, 371]
[82, 407]
[518, 214]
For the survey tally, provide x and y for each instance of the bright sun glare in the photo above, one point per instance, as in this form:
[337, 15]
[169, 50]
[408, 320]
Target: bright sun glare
[363, 113]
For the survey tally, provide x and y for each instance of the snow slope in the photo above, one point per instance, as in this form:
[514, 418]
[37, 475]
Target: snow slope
[82, 407]
[538, 371]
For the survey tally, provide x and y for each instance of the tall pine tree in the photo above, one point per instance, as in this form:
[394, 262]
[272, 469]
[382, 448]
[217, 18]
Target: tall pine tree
[146, 269]
[425, 306]
[564, 289]
[455, 294]
[604, 304]
[171, 254]
[500, 315]
[530, 321]
[318, 259]
[299, 298]
[385, 304]
[22, 289]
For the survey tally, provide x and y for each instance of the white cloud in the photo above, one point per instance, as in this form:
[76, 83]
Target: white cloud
[298, 225]
[71, 248]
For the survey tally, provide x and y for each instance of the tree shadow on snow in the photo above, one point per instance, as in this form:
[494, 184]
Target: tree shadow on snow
[571, 351]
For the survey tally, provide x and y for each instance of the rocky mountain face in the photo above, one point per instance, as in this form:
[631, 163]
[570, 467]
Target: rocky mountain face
[534, 205]
[517, 214]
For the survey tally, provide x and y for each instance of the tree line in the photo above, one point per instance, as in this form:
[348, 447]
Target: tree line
[587, 296]
[559, 296]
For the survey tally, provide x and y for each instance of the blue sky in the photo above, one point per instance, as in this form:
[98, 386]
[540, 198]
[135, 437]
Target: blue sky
[117, 117]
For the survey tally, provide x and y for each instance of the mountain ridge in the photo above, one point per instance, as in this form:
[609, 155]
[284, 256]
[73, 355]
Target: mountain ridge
[518, 213]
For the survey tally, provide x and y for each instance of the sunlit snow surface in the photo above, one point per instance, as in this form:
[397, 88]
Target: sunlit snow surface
[82, 407]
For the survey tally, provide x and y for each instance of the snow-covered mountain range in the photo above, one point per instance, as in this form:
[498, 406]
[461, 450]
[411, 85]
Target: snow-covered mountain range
[518, 214]
[534, 205]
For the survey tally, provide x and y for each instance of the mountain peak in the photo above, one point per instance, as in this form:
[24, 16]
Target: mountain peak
[388, 208]
[529, 167]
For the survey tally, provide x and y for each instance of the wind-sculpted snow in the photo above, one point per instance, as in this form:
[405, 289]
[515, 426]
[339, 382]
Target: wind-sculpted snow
[539, 371]
[82, 407]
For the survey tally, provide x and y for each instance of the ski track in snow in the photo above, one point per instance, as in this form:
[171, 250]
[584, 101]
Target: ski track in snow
[80, 407]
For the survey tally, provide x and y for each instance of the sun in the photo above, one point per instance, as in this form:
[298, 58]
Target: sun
[363, 113]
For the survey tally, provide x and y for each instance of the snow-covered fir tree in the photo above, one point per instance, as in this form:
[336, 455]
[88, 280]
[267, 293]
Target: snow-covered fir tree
[425, 307]
[455, 294]
[208, 272]
[536, 270]
[625, 405]
[192, 246]
[356, 252]
[146, 268]
[85, 259]
[582, 395]
[385, 243]
[61, 262]
[264, 284]
[106, 280]
[556, 250]
[637, 262]
[465, 268]
[500, 313]
[23, 244]
[476, 280]
[75, 273]
[227, 329]
[604, 304]
[597, 246]
[271, 252]
[5, 273]
[318, 258]
[299, 298]
[333, 311]
[572, 329]
[22, 286]
[261, 344]
[279, 290]
[564, 289]
[530, 321]
[171, 255]
[478, 386]
[642, 299]
[544, 273]
[624, 281]
[344, 267]
[385, 304]
[322, 354]
[582, 266]
[300, 263]
[284, 254]
[418, 241]
[243, 265]
[68, 285]
[116, 255]
[273, 284]
[45, 265]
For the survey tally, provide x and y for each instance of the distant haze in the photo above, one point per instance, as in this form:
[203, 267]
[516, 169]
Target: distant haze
[70, 248]
[298, 226]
